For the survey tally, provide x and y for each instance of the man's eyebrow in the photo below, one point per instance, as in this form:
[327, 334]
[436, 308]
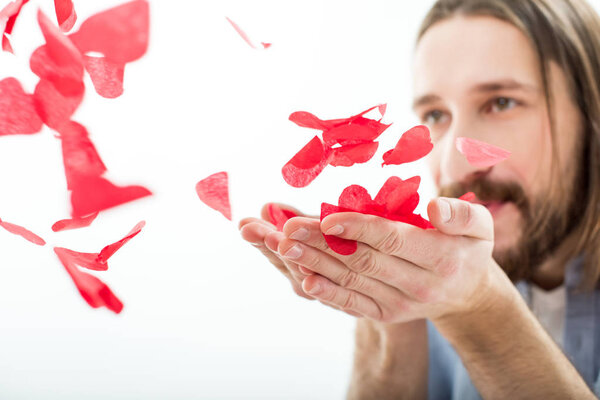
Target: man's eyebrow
[484, 87]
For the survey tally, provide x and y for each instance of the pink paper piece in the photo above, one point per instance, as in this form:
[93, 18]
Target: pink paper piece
[20, 231]
[413, 145]
[106, 76]
[339, 245]
[346, 156]
[119, 33]
[8, 16]
[18, 114]
[469, 196]
[74, 223]
[52, 107]
[480, 154]
[95, 292]
[65, 14]
[214, 192]
[244, 36]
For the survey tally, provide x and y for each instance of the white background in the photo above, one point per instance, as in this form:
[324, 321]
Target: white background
[205, 317]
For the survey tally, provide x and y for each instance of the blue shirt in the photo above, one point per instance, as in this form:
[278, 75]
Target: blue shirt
[448, 378]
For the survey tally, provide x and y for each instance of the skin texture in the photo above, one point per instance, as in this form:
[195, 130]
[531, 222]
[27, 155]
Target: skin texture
[402, 275]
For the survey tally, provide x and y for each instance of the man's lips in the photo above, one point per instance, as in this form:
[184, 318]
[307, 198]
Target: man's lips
[494, 207]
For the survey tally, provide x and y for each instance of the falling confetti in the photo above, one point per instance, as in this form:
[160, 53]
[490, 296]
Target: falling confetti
[480, 154]
[214, 192]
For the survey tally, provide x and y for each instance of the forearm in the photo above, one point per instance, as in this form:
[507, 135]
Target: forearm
[508, 354]
[390, 361]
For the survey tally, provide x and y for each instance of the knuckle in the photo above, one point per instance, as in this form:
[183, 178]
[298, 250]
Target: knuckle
[365, 263]
[392, 242]
[422, 293]
[349, 301]
[448, 266]
[350, 280]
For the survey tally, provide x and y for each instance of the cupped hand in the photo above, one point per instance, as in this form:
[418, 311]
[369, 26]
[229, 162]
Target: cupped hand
[399, 272]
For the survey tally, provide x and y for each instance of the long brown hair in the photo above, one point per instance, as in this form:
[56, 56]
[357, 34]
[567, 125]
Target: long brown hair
[568, 33]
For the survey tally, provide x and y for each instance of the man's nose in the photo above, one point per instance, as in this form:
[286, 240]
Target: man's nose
[454, 166]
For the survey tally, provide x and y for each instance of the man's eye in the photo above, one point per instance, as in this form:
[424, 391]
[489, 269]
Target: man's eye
[500, 104]
[433, 117]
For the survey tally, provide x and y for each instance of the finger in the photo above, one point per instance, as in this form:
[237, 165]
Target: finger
[333, 269]
[459, 217]
[348, 300]
[272, 241]
[307, 231]
[418, 246]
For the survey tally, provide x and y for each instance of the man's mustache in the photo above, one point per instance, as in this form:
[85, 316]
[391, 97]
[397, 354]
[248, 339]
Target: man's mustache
[489, 191]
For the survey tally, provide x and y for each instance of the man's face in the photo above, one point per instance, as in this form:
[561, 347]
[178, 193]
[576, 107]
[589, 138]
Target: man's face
[479, 77]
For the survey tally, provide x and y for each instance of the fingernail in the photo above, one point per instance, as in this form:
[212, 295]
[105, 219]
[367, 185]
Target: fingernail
[294, 252]
[335, 230]
[300, 234]
[315, 289]
[445, 211]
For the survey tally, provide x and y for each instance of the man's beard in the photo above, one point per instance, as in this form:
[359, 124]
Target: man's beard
[546, 224]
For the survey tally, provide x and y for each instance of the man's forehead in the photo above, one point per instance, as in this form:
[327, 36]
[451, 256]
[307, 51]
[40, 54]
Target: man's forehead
[470, 54]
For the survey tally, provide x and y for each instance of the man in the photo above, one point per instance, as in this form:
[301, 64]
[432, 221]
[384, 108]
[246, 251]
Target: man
[440, 314]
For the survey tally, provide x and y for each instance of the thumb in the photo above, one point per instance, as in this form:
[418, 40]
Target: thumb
[459, 217]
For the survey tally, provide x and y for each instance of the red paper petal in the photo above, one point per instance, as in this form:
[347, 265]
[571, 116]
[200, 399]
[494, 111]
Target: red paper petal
[214, 192]
[358, 131]
[65, 14]
[26, 234]
[480, 154]
[119, 33]
[85, 260]
[54, 108]
[308, 120]
[265, 45]
[346, 156]
[469, 196]
[240, 32]
[382, 109]
[398, 196]
[341, 246]
[65, 77]
[92, 193]
[74, 223]
[18, 114]
[109, 250]
[413, 145]
[356, 198]
[279, 216]
[61, 50]
[92, 289]
[106, 75]
[307, 164]
[8, 16]
[79, 154]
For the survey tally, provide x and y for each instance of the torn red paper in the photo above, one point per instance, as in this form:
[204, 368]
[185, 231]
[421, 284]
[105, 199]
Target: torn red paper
[24, 233]
[95, 292]
[65, 14]
[93, 193]
[214, 192]
[469, 196]
[413, 145]
[341, 246]
[480, 154]
[109, 250]
[119, 33]
[74, 223]
[52, 107]
[8, 16]
[18, 114]
[80, 157]
[107, 76]
[279, 216]
[346, 142]
[244, 36]
[396, 200]
[307, 164]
